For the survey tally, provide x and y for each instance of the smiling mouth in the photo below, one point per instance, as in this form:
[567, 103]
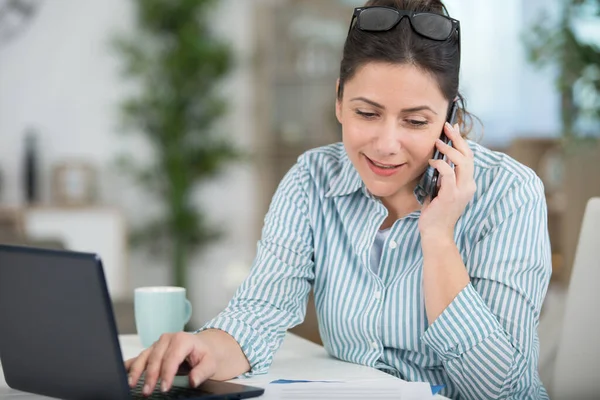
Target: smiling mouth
[382, 165]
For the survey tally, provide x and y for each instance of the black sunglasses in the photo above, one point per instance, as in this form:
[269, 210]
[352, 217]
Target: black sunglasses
[379, 18]
[429, 25]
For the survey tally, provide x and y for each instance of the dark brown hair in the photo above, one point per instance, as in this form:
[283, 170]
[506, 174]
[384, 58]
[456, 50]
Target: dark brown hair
[402, 45]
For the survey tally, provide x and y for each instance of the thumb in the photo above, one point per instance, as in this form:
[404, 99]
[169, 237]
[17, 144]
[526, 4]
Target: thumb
[426, 203]
[203, 370]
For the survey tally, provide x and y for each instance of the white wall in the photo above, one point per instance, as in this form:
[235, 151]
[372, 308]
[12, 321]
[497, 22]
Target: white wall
[61, 77]
[58, 78]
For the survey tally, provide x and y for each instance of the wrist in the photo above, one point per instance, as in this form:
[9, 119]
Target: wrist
[437, 237]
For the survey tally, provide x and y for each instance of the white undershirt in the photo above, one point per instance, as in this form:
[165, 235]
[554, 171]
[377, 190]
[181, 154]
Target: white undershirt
[380, 238]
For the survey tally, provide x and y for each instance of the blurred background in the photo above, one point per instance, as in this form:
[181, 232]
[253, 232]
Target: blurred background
[155, 132]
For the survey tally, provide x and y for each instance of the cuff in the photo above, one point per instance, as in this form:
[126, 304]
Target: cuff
[254, 346]
[465, 323]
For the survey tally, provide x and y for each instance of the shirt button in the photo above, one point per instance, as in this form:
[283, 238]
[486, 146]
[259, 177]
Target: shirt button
[377, 295]
[375, 345]
[393, 244]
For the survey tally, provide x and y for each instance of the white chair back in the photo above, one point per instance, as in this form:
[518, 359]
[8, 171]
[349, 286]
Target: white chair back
[577, 368]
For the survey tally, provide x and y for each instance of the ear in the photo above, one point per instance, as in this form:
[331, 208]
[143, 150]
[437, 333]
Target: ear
[338, 102]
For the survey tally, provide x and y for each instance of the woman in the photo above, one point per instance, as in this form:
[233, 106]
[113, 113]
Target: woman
[447, 290]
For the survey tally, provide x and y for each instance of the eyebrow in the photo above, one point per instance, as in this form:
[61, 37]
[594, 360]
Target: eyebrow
[405, 110]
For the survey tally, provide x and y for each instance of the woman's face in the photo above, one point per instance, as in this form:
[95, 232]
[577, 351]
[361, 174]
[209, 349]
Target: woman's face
[391, 116]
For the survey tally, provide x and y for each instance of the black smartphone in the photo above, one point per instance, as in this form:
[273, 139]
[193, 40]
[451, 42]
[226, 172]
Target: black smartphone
[451, 118]
[428, 187]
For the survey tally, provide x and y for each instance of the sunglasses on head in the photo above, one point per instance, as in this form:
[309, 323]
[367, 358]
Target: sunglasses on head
[379, 19]
[429, 25]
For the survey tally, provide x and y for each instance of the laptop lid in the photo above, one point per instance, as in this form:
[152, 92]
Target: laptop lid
[58, 335]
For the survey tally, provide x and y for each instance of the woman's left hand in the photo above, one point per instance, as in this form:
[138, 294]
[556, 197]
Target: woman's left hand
[438, 217]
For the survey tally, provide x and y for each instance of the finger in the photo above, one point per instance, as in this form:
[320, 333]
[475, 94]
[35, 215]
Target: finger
[205, 369]
[453, 155]
[180, 347]
[137, 366]
[447, 176]
[128, 363]
[458, 142]
[155, 362]
[464, 165]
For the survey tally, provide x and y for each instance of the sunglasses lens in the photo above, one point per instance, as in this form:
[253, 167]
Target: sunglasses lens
[377, 19]
[432, 26]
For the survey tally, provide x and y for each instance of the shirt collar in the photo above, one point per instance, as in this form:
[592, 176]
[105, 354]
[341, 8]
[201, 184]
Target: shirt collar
[347, 180]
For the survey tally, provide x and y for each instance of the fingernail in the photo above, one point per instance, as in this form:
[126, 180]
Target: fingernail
[194, 383]
[146, 390]
[448, 124]
[130, 380]
[164, 387]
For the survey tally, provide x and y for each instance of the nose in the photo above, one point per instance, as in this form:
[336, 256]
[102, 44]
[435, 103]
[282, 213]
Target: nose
[388, 140]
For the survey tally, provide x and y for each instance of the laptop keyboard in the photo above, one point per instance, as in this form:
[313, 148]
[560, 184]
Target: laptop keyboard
[174, 393]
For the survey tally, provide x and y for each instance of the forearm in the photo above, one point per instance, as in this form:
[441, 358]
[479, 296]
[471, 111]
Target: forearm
[484, 331]
[230, 358]
[478, 353]
[444, 273]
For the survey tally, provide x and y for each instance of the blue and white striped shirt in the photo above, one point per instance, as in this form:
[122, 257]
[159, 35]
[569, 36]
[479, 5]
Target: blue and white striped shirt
[319, 233]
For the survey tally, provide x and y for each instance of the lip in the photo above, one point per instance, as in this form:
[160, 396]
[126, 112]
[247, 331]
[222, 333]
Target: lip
[382, 171]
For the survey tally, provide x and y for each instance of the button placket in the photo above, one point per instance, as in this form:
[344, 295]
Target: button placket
[377, 305]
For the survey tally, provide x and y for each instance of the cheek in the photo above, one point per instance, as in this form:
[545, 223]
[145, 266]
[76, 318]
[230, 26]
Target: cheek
[356, 134]
[420, 147]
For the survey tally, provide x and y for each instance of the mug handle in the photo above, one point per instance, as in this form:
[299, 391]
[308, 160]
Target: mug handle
[188, 311]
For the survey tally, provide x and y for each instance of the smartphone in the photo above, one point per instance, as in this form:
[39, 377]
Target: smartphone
[428, 187]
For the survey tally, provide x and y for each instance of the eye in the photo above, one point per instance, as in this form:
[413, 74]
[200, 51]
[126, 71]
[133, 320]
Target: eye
[416, 123]
[366, 115]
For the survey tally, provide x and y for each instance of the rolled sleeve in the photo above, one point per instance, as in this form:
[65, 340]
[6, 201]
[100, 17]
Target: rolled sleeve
[464, 324]
[253, 344]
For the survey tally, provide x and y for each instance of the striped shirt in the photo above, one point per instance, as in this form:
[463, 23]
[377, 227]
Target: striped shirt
[319, 233]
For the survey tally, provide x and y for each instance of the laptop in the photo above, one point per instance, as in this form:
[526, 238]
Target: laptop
[58, 335]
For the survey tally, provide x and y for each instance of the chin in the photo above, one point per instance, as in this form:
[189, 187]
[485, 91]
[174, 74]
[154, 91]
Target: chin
[382, 187]
[387, 189]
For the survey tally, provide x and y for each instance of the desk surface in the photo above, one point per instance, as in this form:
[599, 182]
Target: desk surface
[296, 359]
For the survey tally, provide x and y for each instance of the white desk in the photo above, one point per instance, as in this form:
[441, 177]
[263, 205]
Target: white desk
[296, 359]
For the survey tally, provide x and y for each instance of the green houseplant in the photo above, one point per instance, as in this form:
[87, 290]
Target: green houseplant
[559, 43]
[176, 63]
[555, 42]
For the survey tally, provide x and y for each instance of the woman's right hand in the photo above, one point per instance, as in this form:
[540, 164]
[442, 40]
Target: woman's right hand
[163, 359]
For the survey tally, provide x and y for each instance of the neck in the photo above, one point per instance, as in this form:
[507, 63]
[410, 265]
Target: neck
[400, 204]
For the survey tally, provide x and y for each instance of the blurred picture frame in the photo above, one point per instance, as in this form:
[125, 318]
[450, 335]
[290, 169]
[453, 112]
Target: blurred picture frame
[74, 184]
